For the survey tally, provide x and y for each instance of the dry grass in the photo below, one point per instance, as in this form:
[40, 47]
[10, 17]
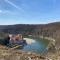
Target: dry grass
[8, 54]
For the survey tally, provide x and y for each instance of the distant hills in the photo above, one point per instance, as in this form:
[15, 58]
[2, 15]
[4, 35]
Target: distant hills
[49, 30]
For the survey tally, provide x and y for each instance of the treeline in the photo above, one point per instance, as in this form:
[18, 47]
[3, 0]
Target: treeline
[49, 30]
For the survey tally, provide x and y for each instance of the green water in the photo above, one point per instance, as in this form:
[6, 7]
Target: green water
[39, 46]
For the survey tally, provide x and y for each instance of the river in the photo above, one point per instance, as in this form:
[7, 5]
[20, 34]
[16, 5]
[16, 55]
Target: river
[36, 45]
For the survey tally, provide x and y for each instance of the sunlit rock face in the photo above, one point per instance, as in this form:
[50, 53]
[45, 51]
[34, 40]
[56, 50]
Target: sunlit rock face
[29, 41]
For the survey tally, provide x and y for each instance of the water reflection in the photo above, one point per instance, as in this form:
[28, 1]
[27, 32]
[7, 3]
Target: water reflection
[35, 45]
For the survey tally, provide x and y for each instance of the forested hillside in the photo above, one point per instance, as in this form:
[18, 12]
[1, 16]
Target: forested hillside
[47, 30]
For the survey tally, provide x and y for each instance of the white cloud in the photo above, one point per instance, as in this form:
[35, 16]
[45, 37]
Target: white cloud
[1, 11]
[17, 7]
[6, 12]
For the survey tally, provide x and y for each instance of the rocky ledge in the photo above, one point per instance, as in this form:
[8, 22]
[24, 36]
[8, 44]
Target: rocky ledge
[11, 54]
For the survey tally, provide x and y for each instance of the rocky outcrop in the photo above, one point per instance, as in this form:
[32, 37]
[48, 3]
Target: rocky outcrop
[11, 54]
[8, 54]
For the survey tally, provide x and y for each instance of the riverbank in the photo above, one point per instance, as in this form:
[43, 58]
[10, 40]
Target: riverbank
[48, 38]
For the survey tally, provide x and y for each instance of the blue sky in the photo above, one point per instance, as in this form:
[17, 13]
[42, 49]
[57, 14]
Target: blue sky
[29, 11]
